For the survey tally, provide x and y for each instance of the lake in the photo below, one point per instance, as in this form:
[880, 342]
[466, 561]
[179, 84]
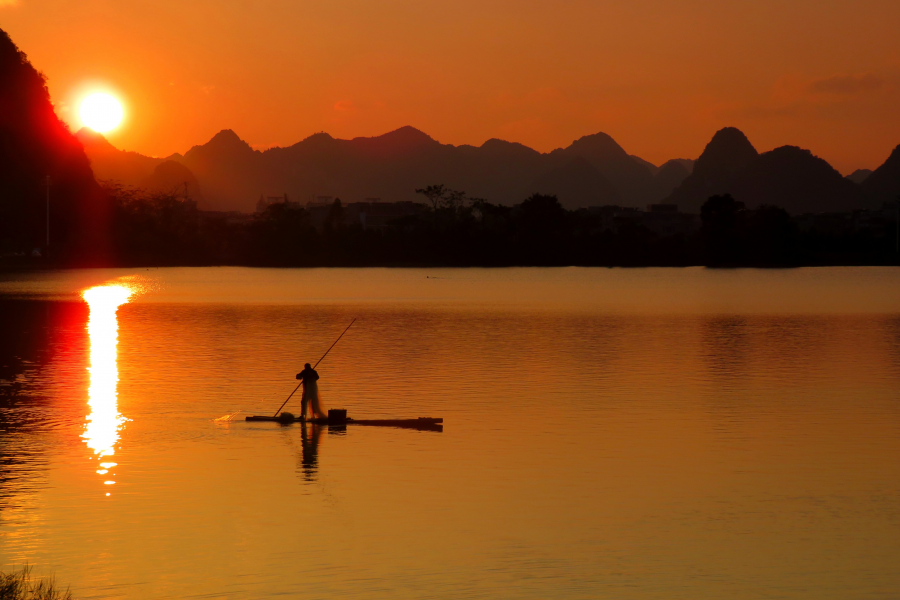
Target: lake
[608, 433]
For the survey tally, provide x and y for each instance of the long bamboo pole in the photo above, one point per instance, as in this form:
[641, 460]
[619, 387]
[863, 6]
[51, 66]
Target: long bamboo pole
[314, 366]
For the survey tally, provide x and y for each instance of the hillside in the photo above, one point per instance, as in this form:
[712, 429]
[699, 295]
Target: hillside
[111, 164]
[789, 177]
[35, 145]
[883, 185]
[726, 155]
[796, 180]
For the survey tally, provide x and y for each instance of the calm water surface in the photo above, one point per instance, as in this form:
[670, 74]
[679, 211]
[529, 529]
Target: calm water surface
[647, 433]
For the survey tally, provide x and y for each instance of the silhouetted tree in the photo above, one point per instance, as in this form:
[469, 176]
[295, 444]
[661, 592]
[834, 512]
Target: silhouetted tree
[154, 228]
[434, 194]
[540, 223]
[445, 201]
[453, 200]
[720, 218]
[771, 237]
[283, 234]
[541, 214]
[335, 217]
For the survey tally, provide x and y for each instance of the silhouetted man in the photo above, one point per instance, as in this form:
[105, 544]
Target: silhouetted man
[310, 391]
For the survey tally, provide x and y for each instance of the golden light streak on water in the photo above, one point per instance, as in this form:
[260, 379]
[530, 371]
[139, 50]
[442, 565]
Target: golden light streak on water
[101, 431]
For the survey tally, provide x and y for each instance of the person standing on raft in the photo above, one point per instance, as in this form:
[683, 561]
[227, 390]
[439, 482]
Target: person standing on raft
[310, 393]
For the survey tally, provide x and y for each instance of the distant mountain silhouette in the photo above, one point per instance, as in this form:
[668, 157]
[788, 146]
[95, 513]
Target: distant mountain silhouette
[789, 177]
[668, 177]
[726, 155]
[35, 144]
[687, 163]
[162, 175]
[632, 180]
[796, 180]
[593, 170]
[580, 183]
[646, 163]
[859, 175]
[391, 166]
[232, 174]
[170, 177]
[111, 164]
[883, 185]
[397, 143]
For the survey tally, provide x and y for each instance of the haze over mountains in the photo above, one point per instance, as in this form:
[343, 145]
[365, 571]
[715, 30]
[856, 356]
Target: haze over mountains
[226, 173]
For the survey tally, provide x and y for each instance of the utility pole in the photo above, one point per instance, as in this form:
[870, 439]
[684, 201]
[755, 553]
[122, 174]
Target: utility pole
[48, 217]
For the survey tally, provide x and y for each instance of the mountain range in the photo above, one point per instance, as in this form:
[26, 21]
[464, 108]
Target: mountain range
[227, 174]
[231, 175]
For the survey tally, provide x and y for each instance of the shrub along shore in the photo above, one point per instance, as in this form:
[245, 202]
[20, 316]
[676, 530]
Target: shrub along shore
[22, 585]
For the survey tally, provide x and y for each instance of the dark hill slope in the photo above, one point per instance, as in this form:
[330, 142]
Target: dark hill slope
[389, 166]
[796, 180]
[170, 177]
[633, 180]
[668, 177]
[231, 173]
[883, 185]
[859, 175]
[727, 154]
[578, 184]
[646, 164]
[789, 177]
[35, 144]
[114, 165]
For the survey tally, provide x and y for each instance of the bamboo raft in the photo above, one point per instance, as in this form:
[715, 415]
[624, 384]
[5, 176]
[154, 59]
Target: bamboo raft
[339, 418]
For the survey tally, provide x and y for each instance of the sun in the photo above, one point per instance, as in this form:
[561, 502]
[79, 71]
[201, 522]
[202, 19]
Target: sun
[101, 112]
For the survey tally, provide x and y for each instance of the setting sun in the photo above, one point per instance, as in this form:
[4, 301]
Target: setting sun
[101, 112]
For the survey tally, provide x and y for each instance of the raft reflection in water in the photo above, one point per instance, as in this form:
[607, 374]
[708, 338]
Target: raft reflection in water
[104, 421]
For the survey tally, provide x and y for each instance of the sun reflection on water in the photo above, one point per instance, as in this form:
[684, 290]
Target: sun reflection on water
[103, 423]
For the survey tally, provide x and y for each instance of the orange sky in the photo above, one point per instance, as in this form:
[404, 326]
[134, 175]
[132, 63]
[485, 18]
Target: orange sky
[660, 77]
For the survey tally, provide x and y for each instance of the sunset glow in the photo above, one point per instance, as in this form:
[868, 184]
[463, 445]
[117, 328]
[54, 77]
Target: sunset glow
[103, 423]
[101, 112]
[659, 77]
[451, 299]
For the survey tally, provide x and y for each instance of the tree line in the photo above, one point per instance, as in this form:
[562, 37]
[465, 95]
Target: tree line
[455, 230]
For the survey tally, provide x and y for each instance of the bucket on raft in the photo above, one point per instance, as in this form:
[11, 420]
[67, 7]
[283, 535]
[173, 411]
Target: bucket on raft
[337, 416]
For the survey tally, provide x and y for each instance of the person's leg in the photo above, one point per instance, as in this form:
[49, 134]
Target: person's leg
[303, 403]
